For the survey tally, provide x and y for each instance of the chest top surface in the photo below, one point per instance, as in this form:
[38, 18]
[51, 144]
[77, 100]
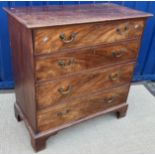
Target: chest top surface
[44, 16]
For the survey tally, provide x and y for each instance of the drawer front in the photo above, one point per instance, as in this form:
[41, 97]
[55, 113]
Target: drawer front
[73, 110]
[78, 60]
[81, 84]
[48, 40]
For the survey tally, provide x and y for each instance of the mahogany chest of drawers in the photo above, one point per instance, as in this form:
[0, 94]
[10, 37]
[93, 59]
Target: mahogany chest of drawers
[72, 63]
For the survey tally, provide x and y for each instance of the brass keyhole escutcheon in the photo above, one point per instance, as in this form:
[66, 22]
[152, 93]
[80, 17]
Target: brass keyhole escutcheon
[45, 39]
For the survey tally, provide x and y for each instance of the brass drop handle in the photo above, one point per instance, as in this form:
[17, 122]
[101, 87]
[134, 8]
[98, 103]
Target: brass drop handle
[110, 99]
[65, 40]
[66, 91]
[119, 53]
[62, 63]
[60, 114]
[114, 76]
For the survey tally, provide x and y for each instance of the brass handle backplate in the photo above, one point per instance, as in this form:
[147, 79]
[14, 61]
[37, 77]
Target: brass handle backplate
[60, 114]
[65, 40]
[119, 53]
[114, 76]
[69, 62]
[66, 91]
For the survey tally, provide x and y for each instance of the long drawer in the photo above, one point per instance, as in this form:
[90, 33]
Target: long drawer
[54, 39]
[82, 84]
[73, 110]
[49, 67]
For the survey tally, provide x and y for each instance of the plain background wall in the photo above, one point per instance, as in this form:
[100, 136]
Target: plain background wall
[145, 67]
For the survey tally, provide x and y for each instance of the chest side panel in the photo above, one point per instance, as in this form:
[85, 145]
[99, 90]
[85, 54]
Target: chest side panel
[22, 52]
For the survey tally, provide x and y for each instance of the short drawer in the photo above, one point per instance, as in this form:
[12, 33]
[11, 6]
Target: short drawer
[51, 67]
[56, 91]
[53, 39]
[73, 110]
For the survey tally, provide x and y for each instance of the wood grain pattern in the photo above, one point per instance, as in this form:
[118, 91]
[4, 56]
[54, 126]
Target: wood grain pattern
[51, 67]
[77, 109]
[72, 63]
[82, 84]
[45, 16]
[47, 40]
[22, 52]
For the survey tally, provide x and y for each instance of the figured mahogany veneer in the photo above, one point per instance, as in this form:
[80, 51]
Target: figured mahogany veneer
[82, 84]
[85, 35]
[72, 110]
[51, 67]
[72, 63]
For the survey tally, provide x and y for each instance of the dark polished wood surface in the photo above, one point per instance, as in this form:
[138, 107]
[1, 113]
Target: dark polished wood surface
[22, 52]
[72, 63]
[33, 17]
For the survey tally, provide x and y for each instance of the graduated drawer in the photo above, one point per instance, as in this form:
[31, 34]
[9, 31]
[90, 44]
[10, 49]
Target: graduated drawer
[53, 39]
[56, 91]
[73, 110]
[50, 67]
